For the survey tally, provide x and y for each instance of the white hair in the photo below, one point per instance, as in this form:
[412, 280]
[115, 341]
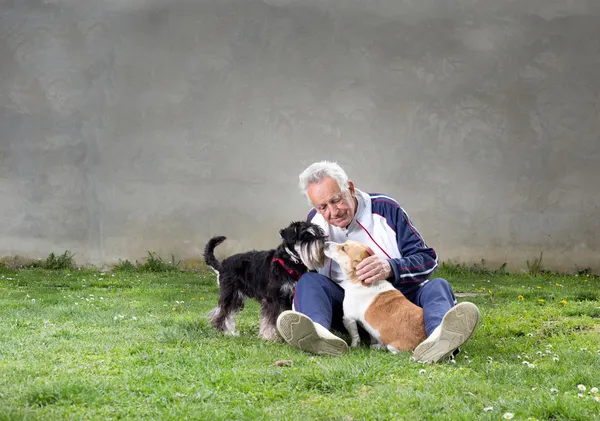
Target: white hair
[318, 171]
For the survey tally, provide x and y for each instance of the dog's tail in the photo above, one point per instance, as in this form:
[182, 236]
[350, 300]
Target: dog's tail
[209, 255]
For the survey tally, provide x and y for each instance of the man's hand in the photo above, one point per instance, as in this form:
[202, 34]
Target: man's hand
[372, 269]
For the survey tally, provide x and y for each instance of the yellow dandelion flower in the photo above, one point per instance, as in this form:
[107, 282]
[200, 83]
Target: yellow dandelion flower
[558, 285]
[541, 300]
[489, 291]
[174, 309]
[193, 298]
[539, 287]
[181, 291]
[564, 302]
[202, 298]
[520, 297]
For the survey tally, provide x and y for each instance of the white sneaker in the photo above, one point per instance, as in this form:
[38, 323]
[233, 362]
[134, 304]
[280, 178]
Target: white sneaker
[300, 331]
[456, 328]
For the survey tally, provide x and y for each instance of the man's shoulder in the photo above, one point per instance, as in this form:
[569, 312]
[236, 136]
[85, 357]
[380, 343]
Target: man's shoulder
[311, 215]
[316, 218]
[381, 200]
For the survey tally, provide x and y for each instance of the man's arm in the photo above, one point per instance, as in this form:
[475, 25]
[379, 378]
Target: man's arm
[418, 261]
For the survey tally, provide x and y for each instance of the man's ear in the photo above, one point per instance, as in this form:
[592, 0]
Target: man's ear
[351, 186]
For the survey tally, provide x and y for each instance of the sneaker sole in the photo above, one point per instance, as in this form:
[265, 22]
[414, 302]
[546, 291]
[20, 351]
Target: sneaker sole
[298, 330]
[457, 327]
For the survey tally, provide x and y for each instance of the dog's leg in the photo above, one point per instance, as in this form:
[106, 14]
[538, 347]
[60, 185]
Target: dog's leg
[352, 328]
[376, 343]
[392, 349]
[223, 317]
[268, 320]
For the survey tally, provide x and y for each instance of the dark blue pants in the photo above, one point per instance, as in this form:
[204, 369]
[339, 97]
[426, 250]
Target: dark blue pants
[321, 299]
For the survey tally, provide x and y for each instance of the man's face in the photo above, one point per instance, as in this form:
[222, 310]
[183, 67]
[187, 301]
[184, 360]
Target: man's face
[337, 208]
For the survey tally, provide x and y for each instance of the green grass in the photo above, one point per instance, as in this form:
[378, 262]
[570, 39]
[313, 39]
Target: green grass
[137, 345]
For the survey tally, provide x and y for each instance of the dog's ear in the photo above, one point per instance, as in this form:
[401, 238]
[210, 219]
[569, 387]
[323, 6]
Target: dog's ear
[288, 234]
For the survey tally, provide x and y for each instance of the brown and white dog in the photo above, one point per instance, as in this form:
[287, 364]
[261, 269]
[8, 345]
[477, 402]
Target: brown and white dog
[385, 313]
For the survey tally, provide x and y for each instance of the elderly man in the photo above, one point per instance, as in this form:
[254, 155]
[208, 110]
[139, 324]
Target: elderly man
[400, 256]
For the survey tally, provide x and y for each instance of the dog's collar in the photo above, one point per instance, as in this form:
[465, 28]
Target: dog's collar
[288, 269]
[293, 255]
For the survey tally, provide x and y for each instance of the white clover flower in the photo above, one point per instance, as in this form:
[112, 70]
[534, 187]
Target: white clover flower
[597, 398]
[594, 390]
[554, 390]
[133, 318]
[508, 415]
[581, 387]
[580, 395]
[422, 371]
[555, 359]
[488, 409]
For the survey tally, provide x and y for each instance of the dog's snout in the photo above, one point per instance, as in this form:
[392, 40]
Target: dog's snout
[329, 248]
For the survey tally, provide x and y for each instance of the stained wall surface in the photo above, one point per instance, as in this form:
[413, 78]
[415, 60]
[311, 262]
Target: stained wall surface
[128, 126]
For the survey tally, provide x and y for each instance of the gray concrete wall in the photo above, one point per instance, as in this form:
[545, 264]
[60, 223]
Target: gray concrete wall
[134, 125]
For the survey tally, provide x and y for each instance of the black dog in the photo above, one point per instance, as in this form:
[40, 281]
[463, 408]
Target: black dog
[269, 276]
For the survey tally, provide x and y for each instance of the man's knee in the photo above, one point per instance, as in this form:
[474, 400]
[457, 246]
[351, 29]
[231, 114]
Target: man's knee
[312, 281]
[313, 287]
[439, 287]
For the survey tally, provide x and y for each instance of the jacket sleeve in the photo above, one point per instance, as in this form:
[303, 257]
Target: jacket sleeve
[418, 261]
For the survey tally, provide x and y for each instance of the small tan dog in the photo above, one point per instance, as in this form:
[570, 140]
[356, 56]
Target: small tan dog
[386, 314]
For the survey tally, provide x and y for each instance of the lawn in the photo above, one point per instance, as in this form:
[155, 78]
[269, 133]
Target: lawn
[80, 344]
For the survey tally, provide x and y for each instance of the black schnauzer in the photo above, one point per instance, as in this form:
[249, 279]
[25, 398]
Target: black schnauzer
[269, 276]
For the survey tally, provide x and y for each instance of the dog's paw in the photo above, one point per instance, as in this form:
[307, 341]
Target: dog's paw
[355, 344]
[378, 346]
